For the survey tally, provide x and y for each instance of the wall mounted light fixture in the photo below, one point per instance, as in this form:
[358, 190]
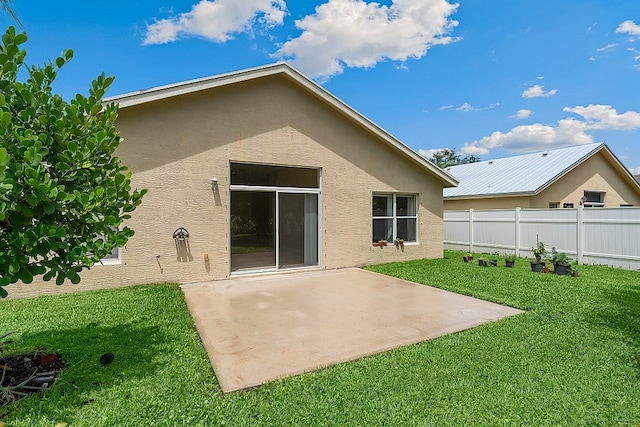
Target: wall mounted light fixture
[214, 183]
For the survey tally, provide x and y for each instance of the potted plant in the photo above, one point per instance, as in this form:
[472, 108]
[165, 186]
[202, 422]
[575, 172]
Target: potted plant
[482, 262]
[399, 243]
[494, 259]
[561, 262]
[382, 243]
[539, 251]
[468, 257]
[510, 260]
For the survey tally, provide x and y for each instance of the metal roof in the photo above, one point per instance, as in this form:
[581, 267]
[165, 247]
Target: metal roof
[527, 174]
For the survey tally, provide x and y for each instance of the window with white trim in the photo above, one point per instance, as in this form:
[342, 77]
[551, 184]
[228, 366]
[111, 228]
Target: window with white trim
[111, 258]
[593, 199]
[395, 216]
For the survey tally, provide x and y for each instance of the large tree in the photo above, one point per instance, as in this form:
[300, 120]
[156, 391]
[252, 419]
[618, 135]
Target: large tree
[63, 193]
[447, 157]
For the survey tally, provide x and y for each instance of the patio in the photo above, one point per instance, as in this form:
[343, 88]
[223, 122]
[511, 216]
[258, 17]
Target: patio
[257, 329]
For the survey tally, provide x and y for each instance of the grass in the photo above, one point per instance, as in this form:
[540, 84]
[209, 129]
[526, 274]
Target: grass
[572, 359]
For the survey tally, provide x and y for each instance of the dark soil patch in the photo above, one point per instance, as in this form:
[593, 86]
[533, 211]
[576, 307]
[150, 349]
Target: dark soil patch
[25, 374]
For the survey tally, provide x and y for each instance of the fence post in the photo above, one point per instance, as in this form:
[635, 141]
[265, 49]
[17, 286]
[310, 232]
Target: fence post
[580, 235]
[517, 242]
[471, 230]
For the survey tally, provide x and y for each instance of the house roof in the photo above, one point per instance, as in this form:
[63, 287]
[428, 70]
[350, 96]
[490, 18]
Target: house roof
[526, 175]
[162, 92]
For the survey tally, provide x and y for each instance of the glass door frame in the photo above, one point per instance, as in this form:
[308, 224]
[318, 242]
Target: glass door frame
[277, 191]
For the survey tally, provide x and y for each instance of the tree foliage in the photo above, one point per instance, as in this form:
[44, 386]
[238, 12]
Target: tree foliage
[447, 157]
[63, 194]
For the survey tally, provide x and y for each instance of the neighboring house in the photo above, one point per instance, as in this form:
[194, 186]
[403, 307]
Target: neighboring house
[263, 170]
[585, 175]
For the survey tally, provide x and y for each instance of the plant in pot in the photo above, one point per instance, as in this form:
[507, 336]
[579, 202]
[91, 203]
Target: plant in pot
[399, 243]
[482, 262]
[539, 251]
[494, 259]
[510, 260]
[468, 257]
[561, 262]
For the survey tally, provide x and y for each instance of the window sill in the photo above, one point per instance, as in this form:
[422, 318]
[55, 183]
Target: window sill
[375, 245]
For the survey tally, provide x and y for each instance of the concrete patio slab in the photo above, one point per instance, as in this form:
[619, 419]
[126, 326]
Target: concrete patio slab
[256, 329]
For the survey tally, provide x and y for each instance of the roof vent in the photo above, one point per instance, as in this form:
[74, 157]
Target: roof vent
[544, 154]
[490, 162]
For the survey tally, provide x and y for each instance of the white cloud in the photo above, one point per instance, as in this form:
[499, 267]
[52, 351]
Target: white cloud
[607, 47]
[566, 132]
[629, 27]
[354, 33]
[537, 91]
[532, 137]
[635, 171]
[429, 153]
[606, 117]
[467, 108]
[522, 114]
[217, 20]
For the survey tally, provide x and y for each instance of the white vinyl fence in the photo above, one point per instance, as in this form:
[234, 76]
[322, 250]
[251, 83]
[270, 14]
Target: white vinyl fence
[609, 236]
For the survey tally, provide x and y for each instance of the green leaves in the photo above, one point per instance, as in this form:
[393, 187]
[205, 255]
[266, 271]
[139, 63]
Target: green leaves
[61, 188]
[5, 119]
[4, 158]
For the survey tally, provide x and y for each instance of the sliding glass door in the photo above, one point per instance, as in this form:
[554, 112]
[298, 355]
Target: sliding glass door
[297, 230]
[253, 231]
[273, 227]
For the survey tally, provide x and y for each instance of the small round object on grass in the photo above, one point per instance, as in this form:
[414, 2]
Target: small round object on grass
[106, 358]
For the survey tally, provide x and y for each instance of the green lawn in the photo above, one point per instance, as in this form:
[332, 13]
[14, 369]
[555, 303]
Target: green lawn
[572, 359]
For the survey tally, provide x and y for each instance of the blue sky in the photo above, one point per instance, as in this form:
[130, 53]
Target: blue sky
[491, 77]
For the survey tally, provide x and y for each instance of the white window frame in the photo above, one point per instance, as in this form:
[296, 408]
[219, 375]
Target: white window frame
[591, 204]
[114, 258]
[394, 216]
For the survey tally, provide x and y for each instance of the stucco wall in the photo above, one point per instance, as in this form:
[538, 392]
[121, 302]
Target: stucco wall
[175, 146]
[594, 174]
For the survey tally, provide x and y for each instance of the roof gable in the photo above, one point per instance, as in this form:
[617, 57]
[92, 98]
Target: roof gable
[527, 174]
[191, 86]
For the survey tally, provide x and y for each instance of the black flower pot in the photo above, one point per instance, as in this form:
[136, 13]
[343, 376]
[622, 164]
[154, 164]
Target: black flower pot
[537, 266]
[509, 263]
[562, 269]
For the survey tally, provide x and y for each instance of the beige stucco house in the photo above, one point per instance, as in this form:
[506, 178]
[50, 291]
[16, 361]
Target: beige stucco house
[586, 175]
[263, 171]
